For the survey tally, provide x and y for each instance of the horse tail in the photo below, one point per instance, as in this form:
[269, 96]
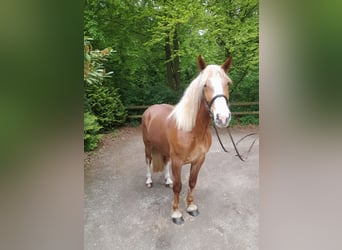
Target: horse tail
[158, 161]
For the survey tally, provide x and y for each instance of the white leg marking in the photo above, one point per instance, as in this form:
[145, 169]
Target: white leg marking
[168, 181]
[176, 214]
[191, 208]
[148, 176]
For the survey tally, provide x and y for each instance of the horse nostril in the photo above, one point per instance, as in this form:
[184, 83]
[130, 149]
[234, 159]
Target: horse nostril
[218, 119]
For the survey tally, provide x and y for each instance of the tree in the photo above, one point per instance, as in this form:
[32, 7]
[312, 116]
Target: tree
[157, 43]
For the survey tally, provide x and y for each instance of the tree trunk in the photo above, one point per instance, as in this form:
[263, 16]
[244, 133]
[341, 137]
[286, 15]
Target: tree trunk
[176, 69]
[168, 60]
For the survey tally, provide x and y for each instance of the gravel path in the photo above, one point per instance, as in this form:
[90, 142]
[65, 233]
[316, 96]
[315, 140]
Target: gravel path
[121, 213]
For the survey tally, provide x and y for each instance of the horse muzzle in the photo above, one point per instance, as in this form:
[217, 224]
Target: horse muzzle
[222, 121]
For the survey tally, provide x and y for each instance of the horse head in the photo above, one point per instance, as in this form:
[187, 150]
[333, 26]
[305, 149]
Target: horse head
[216, 90]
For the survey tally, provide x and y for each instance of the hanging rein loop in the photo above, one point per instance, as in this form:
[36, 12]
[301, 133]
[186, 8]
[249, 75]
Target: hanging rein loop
[208, 105]
[235, 144]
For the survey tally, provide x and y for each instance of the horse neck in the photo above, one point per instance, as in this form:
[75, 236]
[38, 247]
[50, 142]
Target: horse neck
[202, 120]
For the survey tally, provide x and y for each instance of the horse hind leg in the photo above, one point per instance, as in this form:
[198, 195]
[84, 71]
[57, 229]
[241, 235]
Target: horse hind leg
[155, 163]
[168, 180]
[148, 174]
[148, 159]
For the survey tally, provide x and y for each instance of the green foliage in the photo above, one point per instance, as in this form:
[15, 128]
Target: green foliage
[234, 121]
[103, 106]
[90, 132]
[246, 90]
[249, 119]
[137, 30]
[148, 94]
[134, 123]
[244, 120]
[105, 103]
[94, 72]
[91, 23]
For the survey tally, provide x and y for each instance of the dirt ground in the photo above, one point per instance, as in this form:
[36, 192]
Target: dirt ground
[120, 212]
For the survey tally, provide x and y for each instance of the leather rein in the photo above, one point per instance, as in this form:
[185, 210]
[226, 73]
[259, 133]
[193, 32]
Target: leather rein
[208, 105]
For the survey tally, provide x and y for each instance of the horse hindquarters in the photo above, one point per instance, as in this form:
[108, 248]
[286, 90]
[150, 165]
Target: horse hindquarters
[153, 136]
[154, 130]
[155, 140]
[148, 154]
[145, 119]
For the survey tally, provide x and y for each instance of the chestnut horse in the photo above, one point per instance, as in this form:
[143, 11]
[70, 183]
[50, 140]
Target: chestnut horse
[181, 133]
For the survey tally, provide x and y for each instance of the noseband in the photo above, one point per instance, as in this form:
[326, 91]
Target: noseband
[210, 103]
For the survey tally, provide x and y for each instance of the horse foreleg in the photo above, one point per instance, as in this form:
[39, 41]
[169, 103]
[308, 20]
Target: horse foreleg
[176, 216]
[192, 208]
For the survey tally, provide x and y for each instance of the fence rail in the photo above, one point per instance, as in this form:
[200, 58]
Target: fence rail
[239, 113]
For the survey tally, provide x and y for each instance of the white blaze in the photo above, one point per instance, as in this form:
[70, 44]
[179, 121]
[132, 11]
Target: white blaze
[219, 106]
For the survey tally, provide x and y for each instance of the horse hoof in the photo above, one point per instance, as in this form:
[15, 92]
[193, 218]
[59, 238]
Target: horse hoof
[149, 185]
[193, 213]
[168, 185]
[178, 220]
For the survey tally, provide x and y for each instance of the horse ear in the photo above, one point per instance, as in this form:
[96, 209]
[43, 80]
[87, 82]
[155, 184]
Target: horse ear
[226, 65]
[201, 64]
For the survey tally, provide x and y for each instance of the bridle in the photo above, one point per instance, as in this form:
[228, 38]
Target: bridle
[208, 106]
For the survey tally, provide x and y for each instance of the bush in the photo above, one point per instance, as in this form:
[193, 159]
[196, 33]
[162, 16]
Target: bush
[249, 119]
[91, 130]
[106, 104]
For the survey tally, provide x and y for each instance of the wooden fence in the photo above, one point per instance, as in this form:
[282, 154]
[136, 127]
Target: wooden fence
[142, 108]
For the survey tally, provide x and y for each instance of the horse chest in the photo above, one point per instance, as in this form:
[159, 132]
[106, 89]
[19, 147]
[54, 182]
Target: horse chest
[197, 153]
[193, 148]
